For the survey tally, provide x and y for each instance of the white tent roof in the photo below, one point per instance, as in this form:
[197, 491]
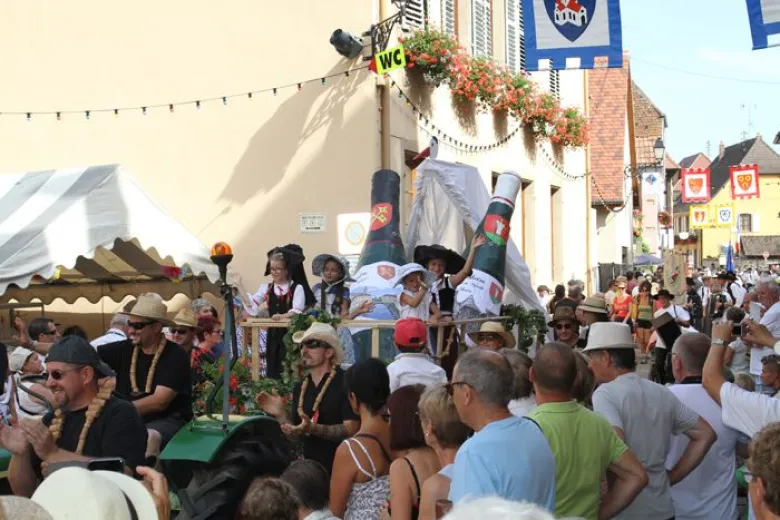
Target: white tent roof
[93, 232]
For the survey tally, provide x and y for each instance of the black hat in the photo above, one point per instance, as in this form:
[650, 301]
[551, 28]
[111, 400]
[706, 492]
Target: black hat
[76, 351]
[726, 276]
[664, 292]
[292, 253]
[689, 281]
[453, 261]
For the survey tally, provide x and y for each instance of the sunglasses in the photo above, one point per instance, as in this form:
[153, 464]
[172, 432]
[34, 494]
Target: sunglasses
[180, 331]
[488, 336]
[57, 375]
[563, 326]
[451, 386]
[138, 325]
[314, 344]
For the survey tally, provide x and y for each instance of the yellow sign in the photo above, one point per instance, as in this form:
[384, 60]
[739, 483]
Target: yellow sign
[700, 217]
[390, 59]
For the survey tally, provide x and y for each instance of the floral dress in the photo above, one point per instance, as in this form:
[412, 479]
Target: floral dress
[367, 499]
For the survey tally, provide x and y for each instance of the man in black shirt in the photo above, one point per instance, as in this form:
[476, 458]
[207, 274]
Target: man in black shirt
[152, 372]
[89, 423]
[694, 305]
[322, 414]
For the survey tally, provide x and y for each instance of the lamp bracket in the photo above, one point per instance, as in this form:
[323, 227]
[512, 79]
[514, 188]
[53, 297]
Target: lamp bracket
[380, 33]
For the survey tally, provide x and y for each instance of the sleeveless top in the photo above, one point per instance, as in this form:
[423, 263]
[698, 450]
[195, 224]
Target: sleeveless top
[644, 311]
[445, 297]
[416, 504]
[367, 499]
[621, 305]
[25, 406]
[280, 304]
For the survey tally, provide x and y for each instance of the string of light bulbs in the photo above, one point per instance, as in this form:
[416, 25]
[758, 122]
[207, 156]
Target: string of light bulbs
[172, 106]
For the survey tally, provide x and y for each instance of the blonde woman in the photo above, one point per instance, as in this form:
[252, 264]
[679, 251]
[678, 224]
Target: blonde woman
[444, 433]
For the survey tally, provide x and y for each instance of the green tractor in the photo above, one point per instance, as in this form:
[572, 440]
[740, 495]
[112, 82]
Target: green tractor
[213, 459]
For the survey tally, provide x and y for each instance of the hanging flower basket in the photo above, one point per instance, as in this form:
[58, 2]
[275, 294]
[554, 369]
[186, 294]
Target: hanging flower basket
[430, 53]
[664, 219]
[519, 96]
[477, 80]
[571, 129]
[543, 112]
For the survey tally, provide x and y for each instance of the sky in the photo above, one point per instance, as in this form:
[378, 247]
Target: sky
[698, 39]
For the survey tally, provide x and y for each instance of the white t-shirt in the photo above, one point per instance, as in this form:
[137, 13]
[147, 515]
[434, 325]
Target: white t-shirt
[422, 311]
[414, 369]
[649, 414]
[746, 411]
[771, 320]
[739, 362]
[708, 492]
[111, 336]
[523, 406]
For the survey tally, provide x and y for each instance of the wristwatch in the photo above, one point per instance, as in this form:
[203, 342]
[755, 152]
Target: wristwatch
[718, 341]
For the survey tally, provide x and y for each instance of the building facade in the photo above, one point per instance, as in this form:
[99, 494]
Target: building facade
[757, 221]
[164, 90]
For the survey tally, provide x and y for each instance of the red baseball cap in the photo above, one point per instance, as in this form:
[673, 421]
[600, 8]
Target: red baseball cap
[410, 332]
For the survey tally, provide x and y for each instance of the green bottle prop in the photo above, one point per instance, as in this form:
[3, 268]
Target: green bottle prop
[383, 254]
[481, 294]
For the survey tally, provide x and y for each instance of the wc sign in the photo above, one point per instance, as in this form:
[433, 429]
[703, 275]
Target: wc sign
[388, 60]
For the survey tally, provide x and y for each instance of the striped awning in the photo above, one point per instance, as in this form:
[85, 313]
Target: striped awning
[93, 232]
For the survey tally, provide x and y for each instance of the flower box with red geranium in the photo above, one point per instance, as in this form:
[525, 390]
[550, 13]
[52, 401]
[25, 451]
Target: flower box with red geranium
[479, 80]
[570, 129]
[519, 96]
[543, 112]
[664, 219]
[430, 53]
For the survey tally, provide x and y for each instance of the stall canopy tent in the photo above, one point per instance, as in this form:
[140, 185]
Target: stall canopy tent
[450, 199]
[93, 232]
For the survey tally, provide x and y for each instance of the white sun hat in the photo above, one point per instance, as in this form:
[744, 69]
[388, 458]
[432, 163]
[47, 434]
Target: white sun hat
[405, 270]
[609, 336]
[74, 493]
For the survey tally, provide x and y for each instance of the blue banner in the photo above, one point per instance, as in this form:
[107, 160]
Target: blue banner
[764, 16]
[561, 34]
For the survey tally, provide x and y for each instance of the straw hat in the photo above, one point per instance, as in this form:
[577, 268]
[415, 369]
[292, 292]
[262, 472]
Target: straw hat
[325, 333]
[186, 318]
[493, 327]
[563, 312]
[101, 495]
[19, 507]
[151, 306]
[18, 358]
[609, 335]
[318, 265]
[405, 270]
[595, 304]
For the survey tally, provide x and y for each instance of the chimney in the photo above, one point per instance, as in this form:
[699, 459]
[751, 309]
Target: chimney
[722, 150]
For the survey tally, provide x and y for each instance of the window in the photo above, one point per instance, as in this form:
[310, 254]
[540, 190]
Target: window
[555, 83]
[448, 20]
[481, 28]
[416, 14]
[515, 36]
[748, 223]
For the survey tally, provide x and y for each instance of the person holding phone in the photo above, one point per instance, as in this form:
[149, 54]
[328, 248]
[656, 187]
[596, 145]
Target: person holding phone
[89, 421]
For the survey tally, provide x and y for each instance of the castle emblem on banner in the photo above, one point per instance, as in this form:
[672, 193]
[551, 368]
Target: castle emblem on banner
[561, 34]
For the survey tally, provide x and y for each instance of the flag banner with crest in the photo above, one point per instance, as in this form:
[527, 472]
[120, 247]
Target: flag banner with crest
[651, 182]
[764, 17]
[572, 34]
[695, 185]
[744, 181]
[700, 217]
[724, 215]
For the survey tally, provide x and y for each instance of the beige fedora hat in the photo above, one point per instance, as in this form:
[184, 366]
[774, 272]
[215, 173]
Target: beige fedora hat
[151, 306]
[325, 333]
[493, 327]
[595, 304]
[186, 318]
[609, 336]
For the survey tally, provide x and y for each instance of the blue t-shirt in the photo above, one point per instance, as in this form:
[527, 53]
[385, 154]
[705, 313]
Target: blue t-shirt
[509, 458]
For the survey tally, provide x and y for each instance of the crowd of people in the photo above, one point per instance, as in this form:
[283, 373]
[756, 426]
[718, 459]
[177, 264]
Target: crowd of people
[569, 430]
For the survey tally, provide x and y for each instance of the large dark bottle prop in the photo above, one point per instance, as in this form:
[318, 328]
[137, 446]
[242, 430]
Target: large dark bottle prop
[383, 253]
[480, 295]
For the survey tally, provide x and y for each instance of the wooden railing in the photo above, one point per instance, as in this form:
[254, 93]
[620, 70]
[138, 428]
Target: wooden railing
[253, 326]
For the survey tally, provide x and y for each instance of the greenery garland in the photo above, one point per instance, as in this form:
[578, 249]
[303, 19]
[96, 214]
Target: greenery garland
[530, 323]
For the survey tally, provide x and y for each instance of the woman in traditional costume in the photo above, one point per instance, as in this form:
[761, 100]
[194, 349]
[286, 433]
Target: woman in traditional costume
[332, 296]
[287, 294]
[450, 269]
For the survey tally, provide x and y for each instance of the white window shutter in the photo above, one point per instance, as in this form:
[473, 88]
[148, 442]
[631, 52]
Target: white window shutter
[434, 8]
[555, 83]
[416, 13]
[448, 17]
[481, 28]
[755, 219]
[512, 36]
[521, 26]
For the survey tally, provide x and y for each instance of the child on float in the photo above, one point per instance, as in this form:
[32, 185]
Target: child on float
[416, 300]
[413, 365]
[332, 296]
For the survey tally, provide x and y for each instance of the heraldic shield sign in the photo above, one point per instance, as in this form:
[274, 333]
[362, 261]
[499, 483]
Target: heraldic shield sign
[744, 181]
[699, 217]
[695, 185]
[725, 215]
[562, 34]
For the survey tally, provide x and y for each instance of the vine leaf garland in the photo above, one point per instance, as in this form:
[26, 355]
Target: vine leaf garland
[292, 370]
[530, 323]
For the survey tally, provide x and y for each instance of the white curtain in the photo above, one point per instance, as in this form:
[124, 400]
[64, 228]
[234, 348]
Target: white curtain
[452, 198]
